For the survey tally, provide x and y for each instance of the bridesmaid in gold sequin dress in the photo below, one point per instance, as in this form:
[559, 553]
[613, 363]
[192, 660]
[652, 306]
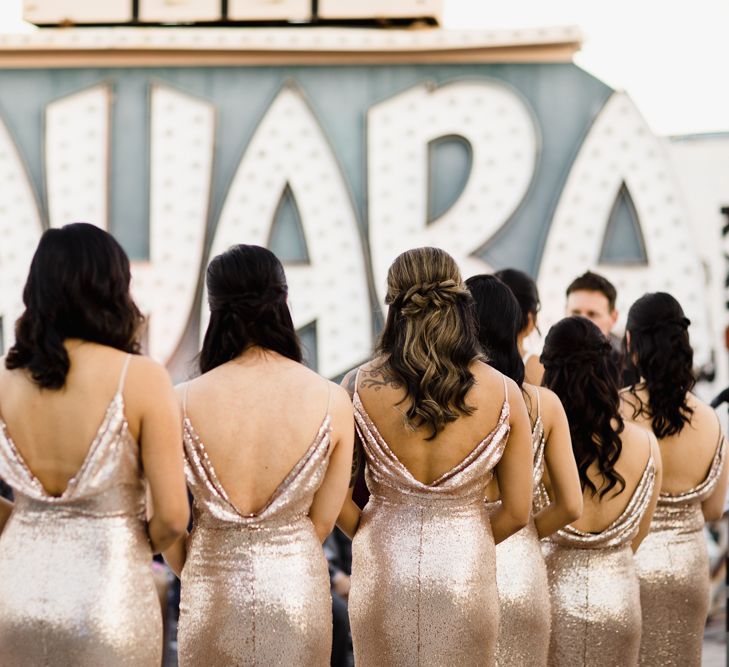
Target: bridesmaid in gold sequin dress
[593, 584]
[521, 573]
[76, 583]
[269, 453]
[673, 565]
[434, 423]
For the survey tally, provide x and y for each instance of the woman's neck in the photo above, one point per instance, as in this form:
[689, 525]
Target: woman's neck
[520, 344]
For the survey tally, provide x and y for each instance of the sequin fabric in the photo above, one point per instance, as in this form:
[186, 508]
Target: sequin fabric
[255, 587]
[594, 589]
[673, 569]
[423, 559]
[521, 577]
[76, 581]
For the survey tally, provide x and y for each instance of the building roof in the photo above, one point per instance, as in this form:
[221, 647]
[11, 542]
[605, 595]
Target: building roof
[190, 46]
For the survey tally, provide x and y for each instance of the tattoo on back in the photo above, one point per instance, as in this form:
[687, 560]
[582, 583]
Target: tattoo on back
[382, 376]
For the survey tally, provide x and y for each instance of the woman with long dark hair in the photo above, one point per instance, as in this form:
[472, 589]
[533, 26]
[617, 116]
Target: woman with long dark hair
[673, 564]
[435, 422]
[525, 290]
[521, 573]
[592, 579]
[269, 452]
[87, 423]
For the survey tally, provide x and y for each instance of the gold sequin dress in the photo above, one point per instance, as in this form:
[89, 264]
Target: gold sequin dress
[673, 569]
[76, 583]
[423, 559]
[594, 589]
[521, 576]
[255, 587]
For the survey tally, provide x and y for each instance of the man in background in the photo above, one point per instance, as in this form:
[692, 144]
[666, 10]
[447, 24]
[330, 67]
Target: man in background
[593, 296]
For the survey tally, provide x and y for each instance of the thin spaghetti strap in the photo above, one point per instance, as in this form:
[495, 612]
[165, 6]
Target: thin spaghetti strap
[356, 379]
[184, 400]
[719, 444]
[539, 403]
[506, 391]
[123, 375]
[650, 447]
[329, 396]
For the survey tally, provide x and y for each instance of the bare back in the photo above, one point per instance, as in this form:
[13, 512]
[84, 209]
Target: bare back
[427, 460]
[598, 514]
[688, 455]
[54, 429]
[256, 417]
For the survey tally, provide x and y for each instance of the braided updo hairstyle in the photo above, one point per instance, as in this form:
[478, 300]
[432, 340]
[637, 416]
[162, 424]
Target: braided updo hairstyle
[579, 368]
[247, 293]
[429, 340]
[662, 356]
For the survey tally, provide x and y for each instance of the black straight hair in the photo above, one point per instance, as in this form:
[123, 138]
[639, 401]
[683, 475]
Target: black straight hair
[247, 293]
[498, 317]
[525, 290]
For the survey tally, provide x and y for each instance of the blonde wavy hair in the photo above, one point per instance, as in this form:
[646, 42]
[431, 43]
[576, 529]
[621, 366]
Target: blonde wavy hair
[430, 337]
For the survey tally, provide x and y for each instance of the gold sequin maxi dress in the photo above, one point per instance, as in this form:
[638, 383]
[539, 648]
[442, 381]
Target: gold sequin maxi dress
[594, 589]
[76, 583]
[673, 568]
[423, 559]
[255, 587]
[521, 577]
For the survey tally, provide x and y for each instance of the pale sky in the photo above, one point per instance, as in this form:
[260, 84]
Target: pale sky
[671, 56]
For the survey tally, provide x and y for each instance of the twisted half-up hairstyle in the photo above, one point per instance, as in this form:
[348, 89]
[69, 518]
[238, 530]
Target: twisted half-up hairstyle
[579, 368]
[498, 317]
[663, 358]
[77, 287]
[429, 340]
[247, 293]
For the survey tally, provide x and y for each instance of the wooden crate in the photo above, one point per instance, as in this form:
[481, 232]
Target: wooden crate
[380, 9]
[269, 10]
[179, 11]
[54, 12]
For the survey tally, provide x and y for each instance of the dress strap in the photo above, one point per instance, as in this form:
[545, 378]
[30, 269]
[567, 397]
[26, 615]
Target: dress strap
[123, 375]
[506, 391]
[539, 403]
[329, 396]
[184, 400]
[356, 379]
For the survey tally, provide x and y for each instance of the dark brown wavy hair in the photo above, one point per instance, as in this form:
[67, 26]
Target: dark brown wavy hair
[429, 340]
[580, 369]
[247, 293]
[662, 356]
[77, 287]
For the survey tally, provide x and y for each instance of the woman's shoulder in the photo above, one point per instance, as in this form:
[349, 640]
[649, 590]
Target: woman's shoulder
[638, 443]
[547, 401]
[488, 378]
[701, 410]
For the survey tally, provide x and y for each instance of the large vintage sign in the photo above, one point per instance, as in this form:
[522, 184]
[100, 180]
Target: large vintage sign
[338, 168]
